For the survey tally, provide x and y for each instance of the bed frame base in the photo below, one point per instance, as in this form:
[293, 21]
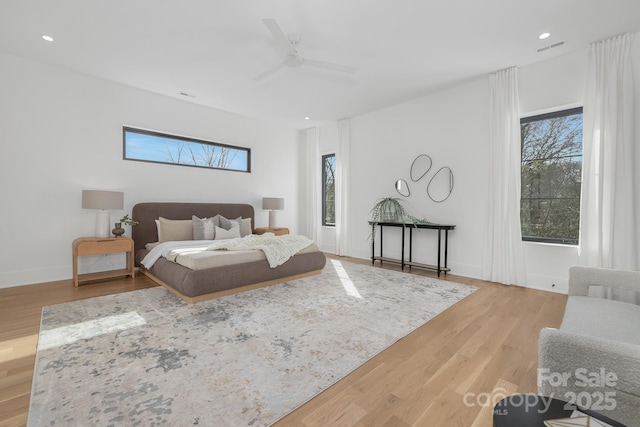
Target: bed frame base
[218, 294]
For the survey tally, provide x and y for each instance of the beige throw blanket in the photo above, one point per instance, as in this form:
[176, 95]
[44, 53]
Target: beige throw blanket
[277, 249]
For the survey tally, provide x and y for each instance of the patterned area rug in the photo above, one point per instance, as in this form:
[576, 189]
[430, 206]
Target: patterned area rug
[148, 358]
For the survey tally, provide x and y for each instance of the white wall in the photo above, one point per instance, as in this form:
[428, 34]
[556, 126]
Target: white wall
[452, 127]
[61, 132]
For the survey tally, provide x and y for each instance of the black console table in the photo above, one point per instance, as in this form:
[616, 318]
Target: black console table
[410, 226]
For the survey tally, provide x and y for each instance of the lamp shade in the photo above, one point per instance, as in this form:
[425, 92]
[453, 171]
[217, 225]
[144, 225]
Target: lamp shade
[93, 199]
[273, 203]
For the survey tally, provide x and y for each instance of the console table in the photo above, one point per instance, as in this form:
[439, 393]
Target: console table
[410, 226]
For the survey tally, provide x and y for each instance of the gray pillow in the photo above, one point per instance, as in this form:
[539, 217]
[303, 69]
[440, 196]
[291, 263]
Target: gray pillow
[244, 223]
[203, 228]
[224, 222]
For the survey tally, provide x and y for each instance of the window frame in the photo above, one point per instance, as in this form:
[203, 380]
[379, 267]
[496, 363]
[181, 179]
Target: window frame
[324, 191]
[548, 116]
[190, 140]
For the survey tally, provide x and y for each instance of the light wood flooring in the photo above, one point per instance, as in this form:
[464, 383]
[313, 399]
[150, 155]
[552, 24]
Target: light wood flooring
[442, 374]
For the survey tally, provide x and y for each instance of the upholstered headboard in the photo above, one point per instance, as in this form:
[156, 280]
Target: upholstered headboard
[146, 214]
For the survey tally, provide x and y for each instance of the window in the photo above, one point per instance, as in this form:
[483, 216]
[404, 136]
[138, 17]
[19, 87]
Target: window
[329, 189]
[156, 147]
[551, 176]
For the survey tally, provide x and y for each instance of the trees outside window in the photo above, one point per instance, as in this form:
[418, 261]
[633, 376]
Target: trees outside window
[551, 176]
[329, 189]
[150, 146]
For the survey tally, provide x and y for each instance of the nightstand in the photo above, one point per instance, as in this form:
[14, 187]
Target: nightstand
[84, 246]
[278, 231]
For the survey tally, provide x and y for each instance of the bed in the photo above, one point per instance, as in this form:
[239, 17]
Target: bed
[202, 284]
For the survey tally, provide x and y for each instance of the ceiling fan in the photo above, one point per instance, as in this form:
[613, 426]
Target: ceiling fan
[293, 58]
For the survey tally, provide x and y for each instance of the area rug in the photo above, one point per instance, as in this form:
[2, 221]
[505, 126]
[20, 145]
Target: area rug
[148, 358]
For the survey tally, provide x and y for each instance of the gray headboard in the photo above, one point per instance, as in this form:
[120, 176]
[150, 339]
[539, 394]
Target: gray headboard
[146, 214]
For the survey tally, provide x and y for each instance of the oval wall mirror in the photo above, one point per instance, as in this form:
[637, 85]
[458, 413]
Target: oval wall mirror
[420, 166]
[441, 185]
[403, 188]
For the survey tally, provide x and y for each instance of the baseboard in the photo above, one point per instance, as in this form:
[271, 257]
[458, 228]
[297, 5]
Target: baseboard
[559, 285]
[30, 277]
[87, 264]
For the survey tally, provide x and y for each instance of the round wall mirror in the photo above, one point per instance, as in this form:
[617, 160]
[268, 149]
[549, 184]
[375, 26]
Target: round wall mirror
[420, 167]
[441, 185]
[402, 188]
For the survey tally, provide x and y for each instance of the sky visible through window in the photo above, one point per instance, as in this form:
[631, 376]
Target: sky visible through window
[164, 149]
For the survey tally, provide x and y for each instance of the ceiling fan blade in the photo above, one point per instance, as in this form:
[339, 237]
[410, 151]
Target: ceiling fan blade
[329, 65]
[276, 31]
[270, 71]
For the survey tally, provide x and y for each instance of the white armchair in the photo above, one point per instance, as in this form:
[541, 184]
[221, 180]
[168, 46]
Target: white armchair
[594, 357]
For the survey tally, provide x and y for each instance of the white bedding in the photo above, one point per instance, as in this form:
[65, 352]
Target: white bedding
[277, 249]
[193, 254]
[162, 249]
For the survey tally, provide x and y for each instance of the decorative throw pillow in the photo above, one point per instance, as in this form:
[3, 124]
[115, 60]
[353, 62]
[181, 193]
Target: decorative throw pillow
[224, 222]
[203, 228]
[245, 226]
[244, 223]
[232, 233]
[175, 230]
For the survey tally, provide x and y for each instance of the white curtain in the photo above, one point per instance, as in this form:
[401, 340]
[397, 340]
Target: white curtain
[343, 155]
[608, 217]
[503, 255]
[313, 178]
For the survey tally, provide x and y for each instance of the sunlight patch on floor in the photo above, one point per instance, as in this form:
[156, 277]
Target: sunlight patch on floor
[17, 348]
[347, 284]
[89, 329]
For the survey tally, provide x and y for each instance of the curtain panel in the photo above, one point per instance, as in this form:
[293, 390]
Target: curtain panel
[312, 180]
[609, 220]
[343, 160]
[503, 256]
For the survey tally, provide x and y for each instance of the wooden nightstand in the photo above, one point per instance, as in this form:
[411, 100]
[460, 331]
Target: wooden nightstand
[277, 231]
[83, 246]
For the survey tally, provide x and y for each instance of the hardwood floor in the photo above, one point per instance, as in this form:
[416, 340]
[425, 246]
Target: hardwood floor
[442, 374]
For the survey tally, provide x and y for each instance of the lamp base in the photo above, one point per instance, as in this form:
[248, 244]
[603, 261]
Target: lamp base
[272, 219]
[102, 224]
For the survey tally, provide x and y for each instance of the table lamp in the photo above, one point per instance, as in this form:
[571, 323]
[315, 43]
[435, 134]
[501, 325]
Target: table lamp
[273, 204]
[103, 201]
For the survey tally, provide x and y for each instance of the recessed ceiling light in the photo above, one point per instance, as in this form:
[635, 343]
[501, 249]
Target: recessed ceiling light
[307, 118]
[47, 38]
[543, 36]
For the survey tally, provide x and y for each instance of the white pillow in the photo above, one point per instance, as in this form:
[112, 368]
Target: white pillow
[232, 233]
